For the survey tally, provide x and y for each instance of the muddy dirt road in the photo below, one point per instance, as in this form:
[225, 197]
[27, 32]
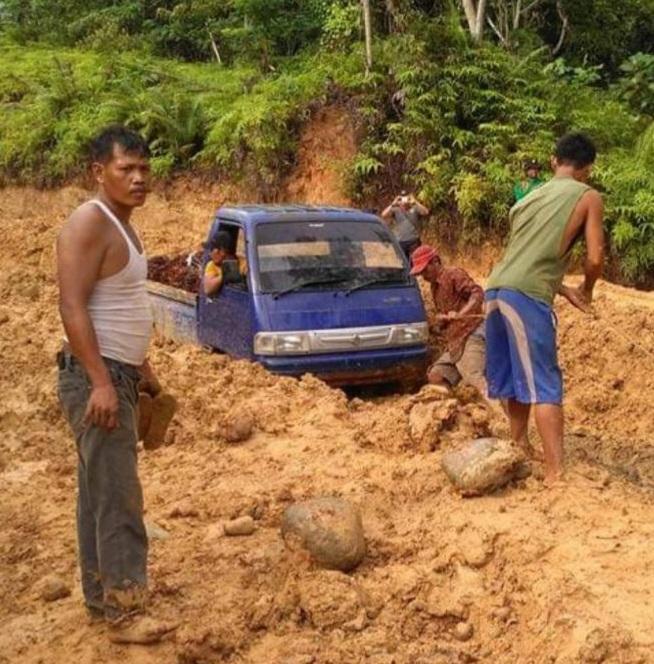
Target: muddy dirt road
[540, 576]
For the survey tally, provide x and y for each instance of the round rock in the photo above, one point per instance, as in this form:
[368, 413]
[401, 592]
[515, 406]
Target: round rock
[244, 525]
[54, 588]
[329, 529]
[239, 427]
[463, 631]
[482, 465]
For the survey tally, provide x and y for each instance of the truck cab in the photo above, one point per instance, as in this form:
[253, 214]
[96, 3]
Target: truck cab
[327, 291]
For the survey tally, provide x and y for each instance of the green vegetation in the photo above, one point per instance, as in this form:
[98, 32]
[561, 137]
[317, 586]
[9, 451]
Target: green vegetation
[223, 86]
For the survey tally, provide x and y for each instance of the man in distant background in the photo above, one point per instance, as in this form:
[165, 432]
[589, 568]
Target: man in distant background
[408, 215]
[531, 181]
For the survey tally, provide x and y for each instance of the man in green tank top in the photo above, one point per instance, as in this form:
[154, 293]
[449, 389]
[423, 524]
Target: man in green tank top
[521, 359]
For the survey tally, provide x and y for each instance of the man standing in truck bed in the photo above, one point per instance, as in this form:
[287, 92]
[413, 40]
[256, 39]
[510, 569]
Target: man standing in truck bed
[521, 354]
[102, 270]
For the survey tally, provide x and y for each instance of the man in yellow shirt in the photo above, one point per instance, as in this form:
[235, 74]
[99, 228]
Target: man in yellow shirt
[221, 250]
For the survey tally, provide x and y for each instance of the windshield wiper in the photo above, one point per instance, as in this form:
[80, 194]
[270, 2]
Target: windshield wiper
[372, 282]
[303, 283]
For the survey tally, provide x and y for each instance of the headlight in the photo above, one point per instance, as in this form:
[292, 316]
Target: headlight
[281, 343]
[413, 333]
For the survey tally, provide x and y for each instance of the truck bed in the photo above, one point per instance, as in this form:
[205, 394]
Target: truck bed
[174, 312]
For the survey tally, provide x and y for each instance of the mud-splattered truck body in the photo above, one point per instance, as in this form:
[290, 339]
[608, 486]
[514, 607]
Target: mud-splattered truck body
[327, 292]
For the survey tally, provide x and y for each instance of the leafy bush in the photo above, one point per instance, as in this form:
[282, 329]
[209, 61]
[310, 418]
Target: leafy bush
[637, 84]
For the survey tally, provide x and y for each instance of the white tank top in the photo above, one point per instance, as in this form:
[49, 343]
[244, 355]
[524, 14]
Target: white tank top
[119, 306]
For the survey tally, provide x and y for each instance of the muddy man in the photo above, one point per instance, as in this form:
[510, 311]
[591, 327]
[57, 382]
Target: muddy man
[102, 271]
[521, 354]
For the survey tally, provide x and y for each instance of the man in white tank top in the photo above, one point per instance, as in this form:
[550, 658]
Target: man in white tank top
[102, 272]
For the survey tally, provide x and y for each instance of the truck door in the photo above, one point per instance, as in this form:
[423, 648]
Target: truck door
[225, 319]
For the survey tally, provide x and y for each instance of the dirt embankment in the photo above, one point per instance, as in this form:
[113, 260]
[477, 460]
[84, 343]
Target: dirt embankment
[540, 576]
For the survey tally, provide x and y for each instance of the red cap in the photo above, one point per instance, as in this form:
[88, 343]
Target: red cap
[421, 258]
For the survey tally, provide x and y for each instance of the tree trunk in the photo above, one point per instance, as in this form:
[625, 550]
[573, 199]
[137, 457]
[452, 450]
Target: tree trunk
[365, 4]
[481, 20]
[476, 17]
[471, 14]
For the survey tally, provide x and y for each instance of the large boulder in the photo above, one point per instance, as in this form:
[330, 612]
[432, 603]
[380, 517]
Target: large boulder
[329, 529]
[483, 465]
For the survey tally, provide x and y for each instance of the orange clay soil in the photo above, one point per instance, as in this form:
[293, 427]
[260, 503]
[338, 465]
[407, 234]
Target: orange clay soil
[539, 576]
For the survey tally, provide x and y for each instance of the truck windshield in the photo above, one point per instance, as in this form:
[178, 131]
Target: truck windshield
[323, 253]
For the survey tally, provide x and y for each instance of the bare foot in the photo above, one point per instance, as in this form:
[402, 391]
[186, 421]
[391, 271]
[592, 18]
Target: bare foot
[144, 631]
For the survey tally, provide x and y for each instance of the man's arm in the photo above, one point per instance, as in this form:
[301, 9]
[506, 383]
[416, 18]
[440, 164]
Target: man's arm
[420, 208]
[466, 285]
[594, 235]
[213, 279]
[80, 252]
[387, 213]
[593, 216]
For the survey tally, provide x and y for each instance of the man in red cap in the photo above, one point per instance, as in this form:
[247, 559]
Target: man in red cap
[459, 303]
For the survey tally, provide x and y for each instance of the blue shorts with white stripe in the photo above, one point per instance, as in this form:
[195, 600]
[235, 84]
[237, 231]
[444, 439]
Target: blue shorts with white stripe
[521, 358]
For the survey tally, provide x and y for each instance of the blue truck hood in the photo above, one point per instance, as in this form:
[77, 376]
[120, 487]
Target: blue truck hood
[330, 309]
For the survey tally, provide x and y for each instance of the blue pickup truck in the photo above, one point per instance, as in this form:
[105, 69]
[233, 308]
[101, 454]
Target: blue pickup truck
[327, 292]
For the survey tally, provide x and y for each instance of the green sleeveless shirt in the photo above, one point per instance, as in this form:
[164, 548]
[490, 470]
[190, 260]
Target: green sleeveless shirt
[532, 263]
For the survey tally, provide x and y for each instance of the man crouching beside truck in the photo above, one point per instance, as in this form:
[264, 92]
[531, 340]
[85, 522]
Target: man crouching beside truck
[521, 364]
[459, 302]
[102, 270]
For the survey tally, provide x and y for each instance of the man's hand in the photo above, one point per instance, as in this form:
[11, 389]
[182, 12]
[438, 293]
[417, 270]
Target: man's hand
[578, 297]
[102, 407]
[149, 382]
[450, 315]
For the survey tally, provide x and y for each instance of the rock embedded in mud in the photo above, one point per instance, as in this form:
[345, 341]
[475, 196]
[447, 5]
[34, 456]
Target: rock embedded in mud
[463, 631]
[155, 532]
[428, 419]
[53, 588]
[238, 427]
[482, 465]
[329, 529]
[184, 508]
[503, 613]
[244, 525]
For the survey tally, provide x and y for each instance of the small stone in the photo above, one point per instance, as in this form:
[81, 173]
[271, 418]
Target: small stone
[244, 525]
[463, 631]
[329, 529]
[54, 588]
[183, 508]
[4, 318]
[239, 427]
[483, 465]
[214, 531]
[155, 532]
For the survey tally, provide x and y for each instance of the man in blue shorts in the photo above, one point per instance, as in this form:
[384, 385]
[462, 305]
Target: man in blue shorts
[521, 354]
